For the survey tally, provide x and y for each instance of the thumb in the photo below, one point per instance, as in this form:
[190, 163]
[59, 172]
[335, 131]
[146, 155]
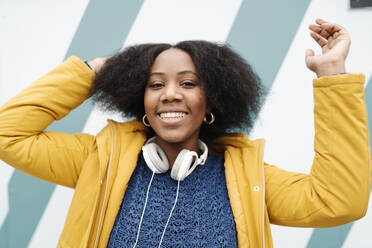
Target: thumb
[309, 54]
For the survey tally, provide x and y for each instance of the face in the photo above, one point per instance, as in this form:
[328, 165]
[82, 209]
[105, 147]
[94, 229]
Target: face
[175, 101]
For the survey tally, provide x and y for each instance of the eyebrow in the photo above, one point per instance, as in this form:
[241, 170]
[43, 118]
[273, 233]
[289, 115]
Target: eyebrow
[178, 73]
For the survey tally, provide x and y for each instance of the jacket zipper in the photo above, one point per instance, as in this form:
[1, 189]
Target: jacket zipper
[106, 186]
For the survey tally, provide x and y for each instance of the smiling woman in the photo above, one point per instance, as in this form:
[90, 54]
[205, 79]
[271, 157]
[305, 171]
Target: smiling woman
[187, 99]
[175, 102]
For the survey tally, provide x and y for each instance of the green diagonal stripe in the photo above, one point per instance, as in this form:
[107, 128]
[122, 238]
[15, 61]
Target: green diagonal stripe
[335, 237]
[332, 237]
[101, 32]
[263, 31]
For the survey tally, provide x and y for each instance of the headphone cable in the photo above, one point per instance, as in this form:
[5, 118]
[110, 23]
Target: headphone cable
[170, 215]
[143, 211]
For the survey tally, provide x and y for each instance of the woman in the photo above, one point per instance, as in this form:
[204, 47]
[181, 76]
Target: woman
[180, 94]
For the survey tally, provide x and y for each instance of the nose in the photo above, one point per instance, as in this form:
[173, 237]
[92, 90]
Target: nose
[171, 93]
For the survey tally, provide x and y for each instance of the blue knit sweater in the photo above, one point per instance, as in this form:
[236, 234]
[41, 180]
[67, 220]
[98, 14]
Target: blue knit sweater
[201, 218]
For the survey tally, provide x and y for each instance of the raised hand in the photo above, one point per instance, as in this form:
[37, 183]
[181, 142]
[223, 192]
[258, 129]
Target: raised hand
[335, 43]
[97, 63]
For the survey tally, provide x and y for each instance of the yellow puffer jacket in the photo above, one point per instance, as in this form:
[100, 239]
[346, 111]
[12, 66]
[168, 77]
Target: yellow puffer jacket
[99, 167]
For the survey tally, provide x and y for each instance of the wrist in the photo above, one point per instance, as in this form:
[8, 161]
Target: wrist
[86, 62]
[330, 69]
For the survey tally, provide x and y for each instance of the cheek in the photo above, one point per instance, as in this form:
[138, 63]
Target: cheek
[200, 105]
[148, 101]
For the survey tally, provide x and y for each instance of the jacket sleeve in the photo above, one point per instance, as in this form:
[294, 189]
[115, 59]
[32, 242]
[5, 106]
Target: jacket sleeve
[52, 156]
[337, 189]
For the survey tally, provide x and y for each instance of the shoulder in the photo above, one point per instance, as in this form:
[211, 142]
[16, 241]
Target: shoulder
[122, 132]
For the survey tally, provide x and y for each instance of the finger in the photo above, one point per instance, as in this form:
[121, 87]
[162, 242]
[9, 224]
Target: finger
[338, 32]
[319, 39]
[317, 29]
[330, 42]
[332, 28]
[324, 33]
[309, 53]
[320, 21]
[336, 35]
[107, 58]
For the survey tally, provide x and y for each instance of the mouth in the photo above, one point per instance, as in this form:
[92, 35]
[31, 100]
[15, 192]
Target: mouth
[172, 117]
[167, 115]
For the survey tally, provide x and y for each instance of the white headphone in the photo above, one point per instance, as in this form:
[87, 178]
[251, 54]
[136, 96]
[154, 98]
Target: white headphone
[185, 163]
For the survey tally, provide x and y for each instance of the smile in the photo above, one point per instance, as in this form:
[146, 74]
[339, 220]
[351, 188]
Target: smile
[168, 115]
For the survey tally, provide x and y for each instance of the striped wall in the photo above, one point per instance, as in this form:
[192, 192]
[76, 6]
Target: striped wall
[272, 35]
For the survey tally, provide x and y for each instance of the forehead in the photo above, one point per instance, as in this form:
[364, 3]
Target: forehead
[173, 60]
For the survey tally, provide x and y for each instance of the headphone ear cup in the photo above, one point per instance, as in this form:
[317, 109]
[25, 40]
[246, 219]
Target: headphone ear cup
[155, 158]
[181, 166]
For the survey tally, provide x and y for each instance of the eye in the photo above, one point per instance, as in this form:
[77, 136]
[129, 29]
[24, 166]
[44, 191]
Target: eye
[156, 85]
[188, 84]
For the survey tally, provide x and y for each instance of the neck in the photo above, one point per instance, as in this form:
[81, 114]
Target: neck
[172, 150]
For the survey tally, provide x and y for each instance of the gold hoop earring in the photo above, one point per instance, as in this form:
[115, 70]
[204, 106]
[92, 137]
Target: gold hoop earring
[211, 119]
[147, 124]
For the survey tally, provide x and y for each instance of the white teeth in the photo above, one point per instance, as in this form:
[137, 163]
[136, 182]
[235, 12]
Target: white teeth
[172, 115]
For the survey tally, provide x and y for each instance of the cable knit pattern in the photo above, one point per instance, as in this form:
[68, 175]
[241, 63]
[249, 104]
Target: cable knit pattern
[201, 218]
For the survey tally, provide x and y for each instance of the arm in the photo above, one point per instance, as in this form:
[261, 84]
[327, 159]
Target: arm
[52, 156]
[337, 189]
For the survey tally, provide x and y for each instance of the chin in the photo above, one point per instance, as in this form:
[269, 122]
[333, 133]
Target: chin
[173, 138]
[176, 137]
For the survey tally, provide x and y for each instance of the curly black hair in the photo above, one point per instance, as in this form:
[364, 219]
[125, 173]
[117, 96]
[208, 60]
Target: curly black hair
[234, 92]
